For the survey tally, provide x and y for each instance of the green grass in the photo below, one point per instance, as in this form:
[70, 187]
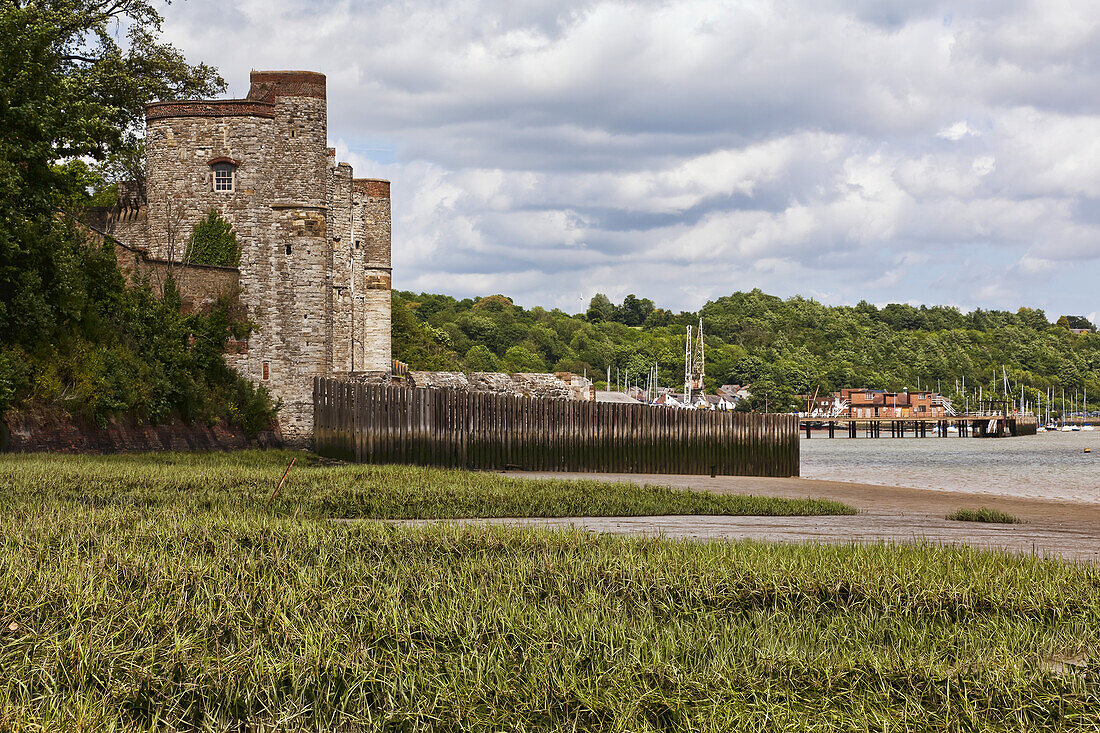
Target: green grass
[142, 609]
[169, 619]
[245, 481]
[984, 514]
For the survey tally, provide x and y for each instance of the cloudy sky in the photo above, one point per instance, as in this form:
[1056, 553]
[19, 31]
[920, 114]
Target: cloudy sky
[888, 150]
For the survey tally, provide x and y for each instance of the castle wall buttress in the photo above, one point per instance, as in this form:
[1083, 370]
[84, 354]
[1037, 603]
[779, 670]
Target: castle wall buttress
[345, 291]
[373, 233]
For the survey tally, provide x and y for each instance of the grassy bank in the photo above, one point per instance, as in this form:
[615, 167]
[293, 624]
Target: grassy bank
[245, 481]
[167, 619]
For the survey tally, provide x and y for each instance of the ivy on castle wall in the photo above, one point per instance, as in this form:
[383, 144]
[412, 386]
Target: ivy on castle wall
[213, 242]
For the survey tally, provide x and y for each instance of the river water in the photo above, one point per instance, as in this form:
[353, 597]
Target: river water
[1048, 465]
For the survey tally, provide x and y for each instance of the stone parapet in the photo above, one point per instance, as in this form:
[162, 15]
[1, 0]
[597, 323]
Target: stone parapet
[216, 108]
[270, 85]
[520, 384]
[372, 187]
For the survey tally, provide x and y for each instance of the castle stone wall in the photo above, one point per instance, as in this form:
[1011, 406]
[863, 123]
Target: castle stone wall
[343, 292]
[373, 236]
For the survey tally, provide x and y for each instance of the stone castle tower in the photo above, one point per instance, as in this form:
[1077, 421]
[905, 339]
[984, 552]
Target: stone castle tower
[314, 274]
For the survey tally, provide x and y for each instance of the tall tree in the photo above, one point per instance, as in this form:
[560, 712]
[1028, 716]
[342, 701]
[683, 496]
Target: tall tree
[70, 87]
[600, 308]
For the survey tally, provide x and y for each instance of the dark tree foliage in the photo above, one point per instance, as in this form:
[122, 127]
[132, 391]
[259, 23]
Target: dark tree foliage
[69, 89]
[72, 334]
[780, 347]
[600, 308]
[1076, 322]
[213, 242]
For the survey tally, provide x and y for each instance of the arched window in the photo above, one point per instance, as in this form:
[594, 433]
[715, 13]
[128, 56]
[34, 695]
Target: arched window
[223, 175]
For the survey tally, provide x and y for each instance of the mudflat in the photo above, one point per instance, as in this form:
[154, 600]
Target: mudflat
[1061, 529]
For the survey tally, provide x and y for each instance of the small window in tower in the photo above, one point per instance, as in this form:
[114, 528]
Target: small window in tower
[224, 173]
[288, 249]
[265, 371]
[294, 133]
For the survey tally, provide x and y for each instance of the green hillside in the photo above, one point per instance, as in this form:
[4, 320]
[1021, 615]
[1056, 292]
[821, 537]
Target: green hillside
[781, 347]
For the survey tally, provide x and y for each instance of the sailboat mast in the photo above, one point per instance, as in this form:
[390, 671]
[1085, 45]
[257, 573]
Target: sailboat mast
[687, 366]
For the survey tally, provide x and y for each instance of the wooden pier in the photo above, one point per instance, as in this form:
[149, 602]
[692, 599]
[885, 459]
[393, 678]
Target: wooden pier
[966, 426]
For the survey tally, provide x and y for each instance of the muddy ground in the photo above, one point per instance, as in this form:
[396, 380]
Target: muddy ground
[1051, 528]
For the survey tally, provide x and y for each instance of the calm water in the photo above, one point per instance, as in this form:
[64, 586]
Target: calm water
[1048, 465]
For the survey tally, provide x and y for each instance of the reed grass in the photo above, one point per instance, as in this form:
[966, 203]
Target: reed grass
[984, 514]
[176, 608]
[315, 487]
[167, 619]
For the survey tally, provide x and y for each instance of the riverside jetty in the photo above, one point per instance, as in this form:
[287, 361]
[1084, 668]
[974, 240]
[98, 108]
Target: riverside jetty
[962, 426]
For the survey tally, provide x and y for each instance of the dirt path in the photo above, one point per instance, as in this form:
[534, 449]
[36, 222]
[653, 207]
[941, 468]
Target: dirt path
[1060, 529]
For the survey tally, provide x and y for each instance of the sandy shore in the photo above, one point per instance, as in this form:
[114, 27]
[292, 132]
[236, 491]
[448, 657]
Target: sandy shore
[893, 514]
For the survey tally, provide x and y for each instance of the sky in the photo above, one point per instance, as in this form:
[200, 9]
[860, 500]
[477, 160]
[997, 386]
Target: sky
[845, 150]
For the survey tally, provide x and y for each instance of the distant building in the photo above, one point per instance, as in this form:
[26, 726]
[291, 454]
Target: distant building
[879, 403]
[733, 392]
[604, 395]
[720, 402]
[819, 405]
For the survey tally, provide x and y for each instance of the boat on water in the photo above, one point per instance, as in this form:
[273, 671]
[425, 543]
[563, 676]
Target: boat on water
[1069, 428]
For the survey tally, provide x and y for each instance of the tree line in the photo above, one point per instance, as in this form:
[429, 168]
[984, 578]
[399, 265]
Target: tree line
[782, 347]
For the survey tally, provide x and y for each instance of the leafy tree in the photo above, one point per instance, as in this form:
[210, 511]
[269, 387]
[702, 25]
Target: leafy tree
[783, 347]
[72, 333]
[413, 342]
[634, 311]
[213, 242]
[1076, 322]
[519, 359]
[69, 89]
[480, 359]
[600, 309]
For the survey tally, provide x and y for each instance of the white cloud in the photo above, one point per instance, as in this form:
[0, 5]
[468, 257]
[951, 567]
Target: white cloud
[878, 149]
[958, 131]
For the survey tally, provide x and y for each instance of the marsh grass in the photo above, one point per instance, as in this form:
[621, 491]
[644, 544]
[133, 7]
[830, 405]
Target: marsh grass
[246, 481]
[170, 619]
[144, 610]
[984, 514]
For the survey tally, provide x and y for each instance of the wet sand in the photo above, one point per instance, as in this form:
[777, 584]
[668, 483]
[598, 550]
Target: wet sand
[1060, 529]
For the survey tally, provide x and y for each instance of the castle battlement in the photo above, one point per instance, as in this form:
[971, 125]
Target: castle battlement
[315, 241]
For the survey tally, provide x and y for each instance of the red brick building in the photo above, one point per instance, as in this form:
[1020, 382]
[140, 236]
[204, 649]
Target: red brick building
[879, 403]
